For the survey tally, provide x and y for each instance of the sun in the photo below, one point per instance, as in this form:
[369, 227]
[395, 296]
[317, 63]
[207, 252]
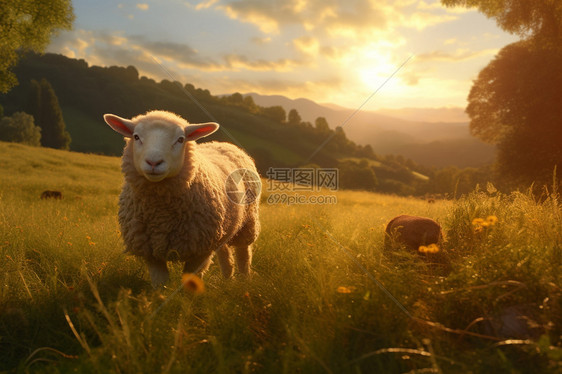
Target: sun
[375, 70]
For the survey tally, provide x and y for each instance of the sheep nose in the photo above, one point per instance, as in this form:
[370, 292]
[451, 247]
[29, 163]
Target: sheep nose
[154, 163]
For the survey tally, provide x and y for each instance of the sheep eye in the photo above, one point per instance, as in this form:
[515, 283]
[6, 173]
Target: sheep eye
[181, 139]
[136, 137]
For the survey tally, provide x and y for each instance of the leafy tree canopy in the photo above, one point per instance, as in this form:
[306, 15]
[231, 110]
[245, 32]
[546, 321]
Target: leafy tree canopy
[537, 18]
[516, 102]
[294, 118]
[28, 25]
[19, 128]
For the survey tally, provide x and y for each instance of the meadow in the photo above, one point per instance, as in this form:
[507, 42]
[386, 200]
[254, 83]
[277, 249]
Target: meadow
[325, 295]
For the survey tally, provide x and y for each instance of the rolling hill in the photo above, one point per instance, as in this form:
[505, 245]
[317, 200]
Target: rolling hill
[86, 92]
[437, 144]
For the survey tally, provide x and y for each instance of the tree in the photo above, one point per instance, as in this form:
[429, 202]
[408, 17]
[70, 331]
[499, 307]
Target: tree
[294, 118]
[236, 99]
[516, 103]
[19, 128]
[275, 113]
[322, 126]
[28, 25]
[357, 176]
[44, 106]
[250, 104]
[540, 19]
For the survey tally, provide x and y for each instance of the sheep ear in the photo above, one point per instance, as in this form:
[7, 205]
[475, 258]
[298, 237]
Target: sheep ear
[123, 126]
[194, 132]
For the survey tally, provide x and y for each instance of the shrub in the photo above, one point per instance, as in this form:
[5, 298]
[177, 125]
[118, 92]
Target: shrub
[20, 128]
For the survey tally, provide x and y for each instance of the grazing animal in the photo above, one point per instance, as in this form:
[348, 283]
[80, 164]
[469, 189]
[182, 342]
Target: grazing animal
[412, 231]
[51, 195]
[176, 203]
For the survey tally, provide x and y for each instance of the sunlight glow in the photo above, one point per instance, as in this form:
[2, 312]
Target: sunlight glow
[375, 69]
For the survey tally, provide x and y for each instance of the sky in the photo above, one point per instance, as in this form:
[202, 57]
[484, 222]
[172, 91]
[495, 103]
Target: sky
[330, 51]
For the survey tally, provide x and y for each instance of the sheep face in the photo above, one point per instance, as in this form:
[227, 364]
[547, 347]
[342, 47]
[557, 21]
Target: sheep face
[158, 150]
[159, 140]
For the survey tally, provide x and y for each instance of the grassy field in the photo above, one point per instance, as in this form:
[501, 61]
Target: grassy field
[71, 301]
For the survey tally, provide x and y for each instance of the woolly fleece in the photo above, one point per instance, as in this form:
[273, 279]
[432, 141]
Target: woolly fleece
[188, 216]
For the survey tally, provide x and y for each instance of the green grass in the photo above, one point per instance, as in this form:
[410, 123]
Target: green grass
[71, 301]
[251, 142]
[89, 135]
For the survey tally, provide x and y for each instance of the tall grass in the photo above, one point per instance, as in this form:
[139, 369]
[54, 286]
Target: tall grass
[71, 301]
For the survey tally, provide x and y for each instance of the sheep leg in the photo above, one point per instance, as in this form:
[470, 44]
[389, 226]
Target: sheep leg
[158, 271]
[243, 258]
[226, 262]
[197, 264]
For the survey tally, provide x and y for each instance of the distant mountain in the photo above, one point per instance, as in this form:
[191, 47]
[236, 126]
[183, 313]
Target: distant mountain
[455, 115]
[429, 143]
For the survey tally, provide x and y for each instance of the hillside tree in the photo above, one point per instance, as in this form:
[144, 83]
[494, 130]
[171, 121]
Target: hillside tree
[44, 105]
[516, 101]
[275, 113]
[28, 25]
[20, 128]
[357, 175]
[321, 125]
[294, 118]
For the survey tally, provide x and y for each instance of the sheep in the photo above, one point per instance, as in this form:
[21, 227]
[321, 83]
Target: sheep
[412, 231]
[174, 204]
[51, 194]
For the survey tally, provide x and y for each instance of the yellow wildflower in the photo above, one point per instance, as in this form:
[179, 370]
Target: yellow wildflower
[343, 289]
[431, 248]
[193, 283]
[477, 222]
[492, 220]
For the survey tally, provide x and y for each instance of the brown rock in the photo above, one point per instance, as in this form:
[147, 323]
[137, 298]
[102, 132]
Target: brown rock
[412, 231]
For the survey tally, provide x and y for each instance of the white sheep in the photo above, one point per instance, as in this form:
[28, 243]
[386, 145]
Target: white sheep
[177, 204]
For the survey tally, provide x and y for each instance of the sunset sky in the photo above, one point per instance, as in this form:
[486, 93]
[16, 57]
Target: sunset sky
[329, 51]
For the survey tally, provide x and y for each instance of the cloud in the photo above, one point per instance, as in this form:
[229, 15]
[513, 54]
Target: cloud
[170, 51]
[142, 6]
[307, 45]
[205, 4]
[429, 6]
[422, 20]
[458, 55]
[102, 48]
[241, 62]
[410, 78]
[320, 89]
[336, 18]
[321, 16]
[262, 41]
